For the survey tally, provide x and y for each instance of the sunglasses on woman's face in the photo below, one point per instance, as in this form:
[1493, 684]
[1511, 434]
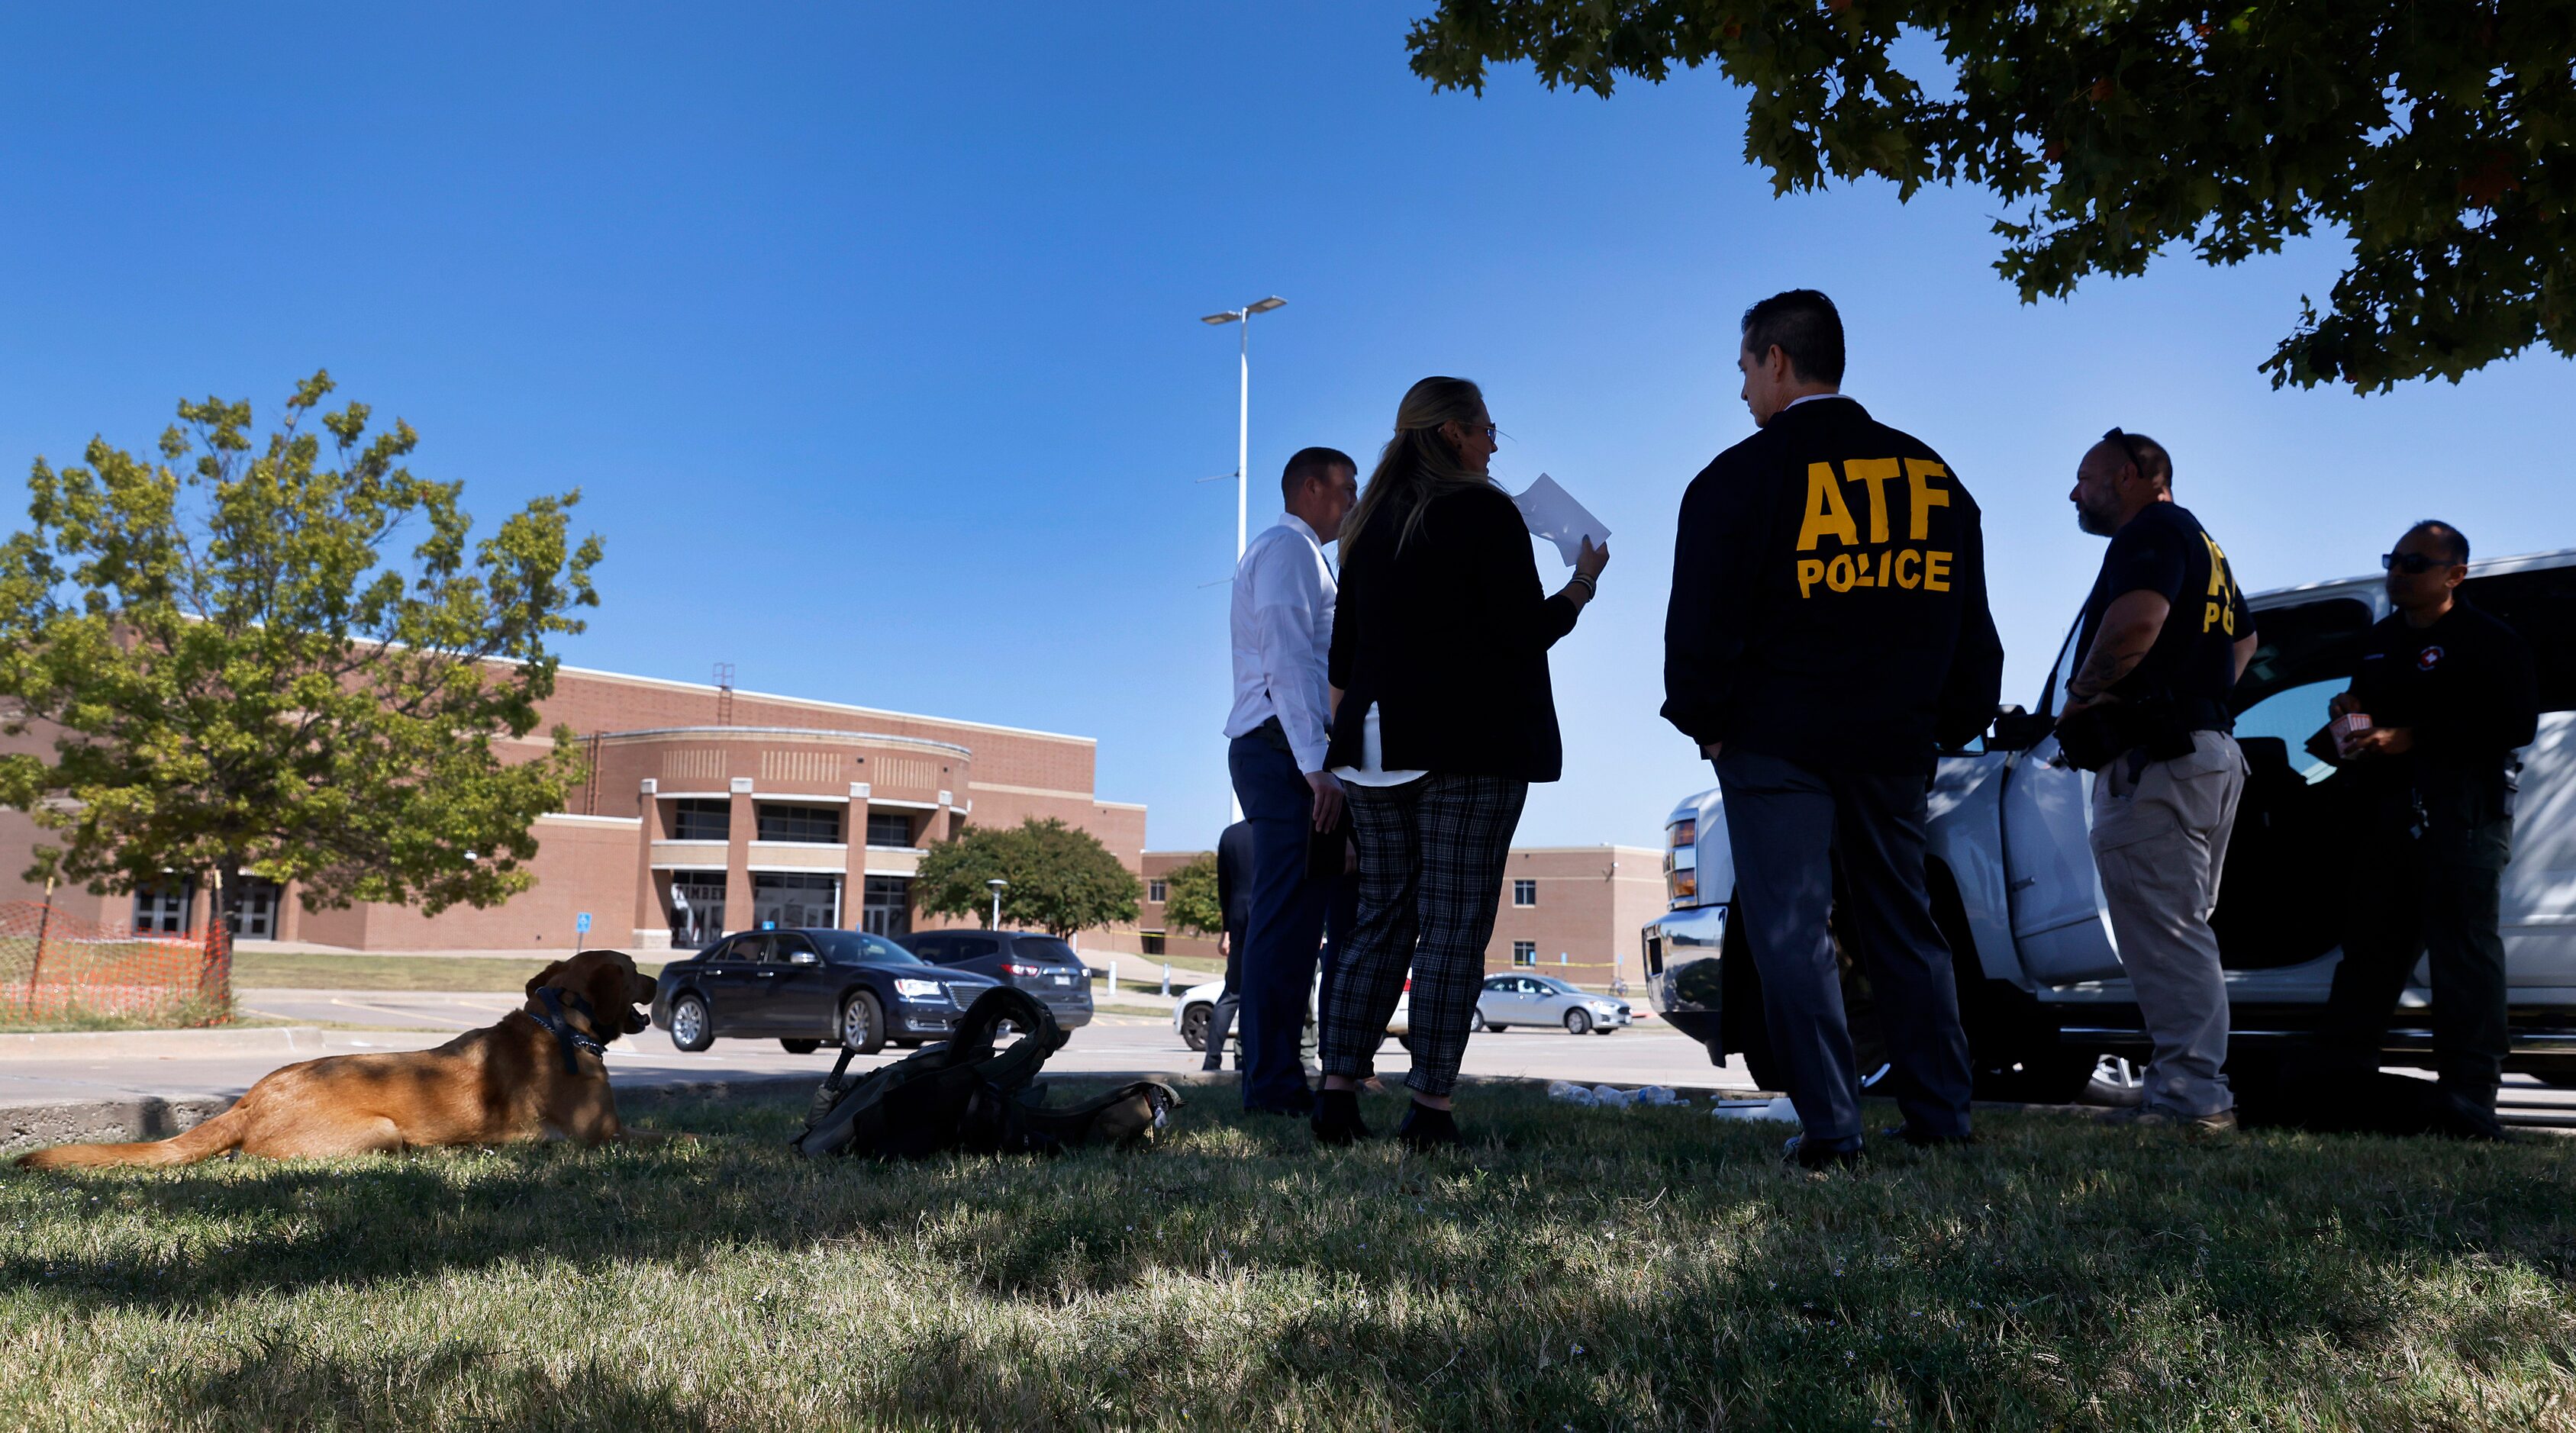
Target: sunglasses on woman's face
[2413, 564]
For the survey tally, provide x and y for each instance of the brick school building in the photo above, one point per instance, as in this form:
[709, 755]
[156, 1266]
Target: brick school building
[701, 810]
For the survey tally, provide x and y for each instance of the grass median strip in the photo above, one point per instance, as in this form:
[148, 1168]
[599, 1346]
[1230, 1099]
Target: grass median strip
[1582, 1268]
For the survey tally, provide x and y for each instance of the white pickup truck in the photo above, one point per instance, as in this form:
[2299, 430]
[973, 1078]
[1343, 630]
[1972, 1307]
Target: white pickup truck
[2013, 885]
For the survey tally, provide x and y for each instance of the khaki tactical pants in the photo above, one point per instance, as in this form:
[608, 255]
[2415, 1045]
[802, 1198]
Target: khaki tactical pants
[2160, 841]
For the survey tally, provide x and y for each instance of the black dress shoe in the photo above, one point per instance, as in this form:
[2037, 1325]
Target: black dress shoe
[1425, 1129]
[1337, 1117]
[1807, 1154]
[1921, 1140]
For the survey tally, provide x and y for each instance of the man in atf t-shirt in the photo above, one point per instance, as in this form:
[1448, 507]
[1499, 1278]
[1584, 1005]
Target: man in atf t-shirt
[2165, 634]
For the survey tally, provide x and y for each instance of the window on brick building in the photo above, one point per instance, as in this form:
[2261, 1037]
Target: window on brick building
[1524, 893]
[889, 828]
[698, 819]
[1156, 891]
[1524, 952]
[812, 825]
[1153, 941]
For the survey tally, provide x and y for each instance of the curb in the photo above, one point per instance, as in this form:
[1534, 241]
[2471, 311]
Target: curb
[176, 1044]
[28, 1127]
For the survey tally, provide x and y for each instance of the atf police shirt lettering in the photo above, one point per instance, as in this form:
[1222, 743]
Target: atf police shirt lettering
[1834, 556]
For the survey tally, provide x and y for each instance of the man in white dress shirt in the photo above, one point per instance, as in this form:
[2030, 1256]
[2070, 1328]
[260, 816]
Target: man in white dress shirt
[1282, 630]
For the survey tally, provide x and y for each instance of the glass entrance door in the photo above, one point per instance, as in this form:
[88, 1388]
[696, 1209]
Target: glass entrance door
[255, 912]
[791, 902]
[697, 909]
[163, 909]
[888, 911]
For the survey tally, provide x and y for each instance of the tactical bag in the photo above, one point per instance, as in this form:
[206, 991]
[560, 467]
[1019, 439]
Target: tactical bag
[964, 1095]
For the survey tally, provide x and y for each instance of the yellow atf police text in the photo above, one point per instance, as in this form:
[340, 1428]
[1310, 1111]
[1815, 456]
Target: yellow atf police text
[2220, 610]
[1878, 563]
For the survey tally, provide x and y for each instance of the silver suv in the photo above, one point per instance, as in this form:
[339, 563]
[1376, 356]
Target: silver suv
[2013, 885]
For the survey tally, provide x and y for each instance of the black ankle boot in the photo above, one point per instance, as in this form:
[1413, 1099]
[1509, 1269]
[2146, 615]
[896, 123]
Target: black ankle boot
[1425, 1128]
[1337, 1117]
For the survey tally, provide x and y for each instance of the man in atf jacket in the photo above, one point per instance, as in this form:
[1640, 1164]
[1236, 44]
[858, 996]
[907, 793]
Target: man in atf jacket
[1828, 631]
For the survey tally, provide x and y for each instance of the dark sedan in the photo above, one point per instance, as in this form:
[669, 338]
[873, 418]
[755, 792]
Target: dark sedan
[1040, 964]
[809, 988]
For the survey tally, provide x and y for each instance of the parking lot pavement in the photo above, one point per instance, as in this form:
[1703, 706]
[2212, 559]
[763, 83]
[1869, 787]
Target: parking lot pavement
[1651, 1054]
[1110, 1043]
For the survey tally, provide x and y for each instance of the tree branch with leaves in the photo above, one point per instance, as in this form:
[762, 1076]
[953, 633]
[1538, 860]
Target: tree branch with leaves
[1190, 901]
[248, 675]
[2435, 136]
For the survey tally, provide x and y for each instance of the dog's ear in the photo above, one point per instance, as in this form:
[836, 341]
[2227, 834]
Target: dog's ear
[544, 977]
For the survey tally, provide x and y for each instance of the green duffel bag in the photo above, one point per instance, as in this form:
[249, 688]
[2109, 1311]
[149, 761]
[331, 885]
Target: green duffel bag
[963, 1094]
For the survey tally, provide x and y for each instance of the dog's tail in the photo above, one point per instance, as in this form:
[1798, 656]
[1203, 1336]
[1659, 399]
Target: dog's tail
[220, 1135]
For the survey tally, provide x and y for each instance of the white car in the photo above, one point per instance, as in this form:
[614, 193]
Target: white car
[1509, 1000]
[1197, 1005]
[2041, 989]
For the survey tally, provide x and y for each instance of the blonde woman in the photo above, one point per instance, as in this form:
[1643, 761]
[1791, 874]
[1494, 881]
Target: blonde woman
[1443, 717]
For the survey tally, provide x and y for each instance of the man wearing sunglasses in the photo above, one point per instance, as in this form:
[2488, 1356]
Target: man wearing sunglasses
[2430, 734]
[2166, 633]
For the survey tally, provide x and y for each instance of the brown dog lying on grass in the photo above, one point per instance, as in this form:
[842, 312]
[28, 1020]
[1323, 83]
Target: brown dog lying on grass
[536, 1075]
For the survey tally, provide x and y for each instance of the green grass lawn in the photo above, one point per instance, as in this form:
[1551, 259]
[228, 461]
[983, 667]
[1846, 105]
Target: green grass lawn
[176, 1013]
[308, 971]
[1579, 1268]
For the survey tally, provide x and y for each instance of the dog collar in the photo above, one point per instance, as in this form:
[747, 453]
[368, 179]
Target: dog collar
[553, 1021]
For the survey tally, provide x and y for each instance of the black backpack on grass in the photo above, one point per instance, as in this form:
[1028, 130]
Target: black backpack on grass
[965, 1095]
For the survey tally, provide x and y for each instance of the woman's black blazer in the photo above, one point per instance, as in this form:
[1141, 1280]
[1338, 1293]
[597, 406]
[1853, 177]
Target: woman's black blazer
[1449, 637]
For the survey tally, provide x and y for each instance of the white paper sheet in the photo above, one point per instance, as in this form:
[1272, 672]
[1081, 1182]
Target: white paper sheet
[1551, 512]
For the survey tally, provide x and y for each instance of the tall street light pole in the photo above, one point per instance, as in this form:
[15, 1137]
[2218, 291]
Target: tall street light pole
[1243, 413]
[1243, 438]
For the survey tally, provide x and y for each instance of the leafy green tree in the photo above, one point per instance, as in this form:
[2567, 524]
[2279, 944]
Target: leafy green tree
[1190, 896]
[248, 676]
[2434, 135]
[1062, 879]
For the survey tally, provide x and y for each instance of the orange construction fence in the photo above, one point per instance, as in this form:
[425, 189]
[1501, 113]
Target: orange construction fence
[56, 967]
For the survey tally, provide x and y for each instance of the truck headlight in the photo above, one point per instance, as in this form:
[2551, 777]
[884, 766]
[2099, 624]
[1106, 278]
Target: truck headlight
[920, 990]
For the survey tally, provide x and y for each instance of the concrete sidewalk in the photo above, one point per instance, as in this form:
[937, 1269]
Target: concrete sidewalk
[287, 1042]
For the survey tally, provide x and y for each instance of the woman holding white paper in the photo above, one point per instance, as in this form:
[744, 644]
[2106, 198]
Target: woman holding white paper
[1443, 717]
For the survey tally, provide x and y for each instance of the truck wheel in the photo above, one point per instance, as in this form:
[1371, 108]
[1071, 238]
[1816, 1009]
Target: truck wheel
[2013, 1051]
[2048, 1075]
[1750, 1036]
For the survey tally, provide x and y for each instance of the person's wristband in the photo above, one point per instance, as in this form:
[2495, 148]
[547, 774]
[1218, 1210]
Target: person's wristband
[1590, 587]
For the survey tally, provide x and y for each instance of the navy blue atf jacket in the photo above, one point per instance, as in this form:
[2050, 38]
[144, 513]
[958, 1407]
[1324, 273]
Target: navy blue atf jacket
[1829, 598]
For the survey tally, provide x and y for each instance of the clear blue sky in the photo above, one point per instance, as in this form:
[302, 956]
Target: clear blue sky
[870, 333]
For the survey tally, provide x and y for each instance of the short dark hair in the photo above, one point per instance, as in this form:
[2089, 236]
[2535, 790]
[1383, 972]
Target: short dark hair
[1312, 463]
[2455, 543]
[2146, 454]
[1801, 323]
